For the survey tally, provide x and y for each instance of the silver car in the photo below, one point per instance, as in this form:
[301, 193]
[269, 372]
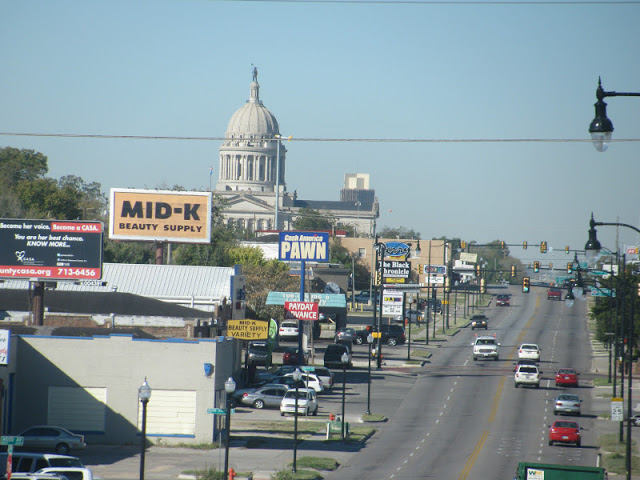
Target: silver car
[47, 437]
[267, 396]
[567, 403]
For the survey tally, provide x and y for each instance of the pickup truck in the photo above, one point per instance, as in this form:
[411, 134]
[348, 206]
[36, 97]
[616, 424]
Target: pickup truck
[554, 294]
[548, 471]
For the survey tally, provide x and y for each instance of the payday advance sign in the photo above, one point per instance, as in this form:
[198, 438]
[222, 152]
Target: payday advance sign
[301, 310]
[303, 246]
[158, 215]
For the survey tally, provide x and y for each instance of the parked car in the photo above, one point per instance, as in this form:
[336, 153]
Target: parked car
[479, 321]
[48, 437]
[333, 355]
[31, 462]
[563, 431]
[345, 335]
[530, 351]
[524, 361]
[307, 402]
[391, 334]
[567, 377]
[288, 330]
[267, 396]
[323, 373]
[259, 353]
[503, 301]
[292, 356]
[413, 316]
[527, 375]
[364, 296]
[309, 380]
[567, 403]
[70, 473]
[635, 420]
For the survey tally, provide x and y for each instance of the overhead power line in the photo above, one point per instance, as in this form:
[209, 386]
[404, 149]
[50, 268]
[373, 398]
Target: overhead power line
[311, 139]
[449, 2]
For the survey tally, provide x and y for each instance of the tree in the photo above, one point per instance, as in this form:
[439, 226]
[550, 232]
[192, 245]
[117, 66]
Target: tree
[18, 165]
[43, 198]
[92, 202]
[271, 276]
[310, 219]
[399, 232]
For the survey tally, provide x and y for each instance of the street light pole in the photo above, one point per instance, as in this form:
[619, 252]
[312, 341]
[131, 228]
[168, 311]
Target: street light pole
[381, 247]
[297, 376]
[345, 359]
[229, 388]
[144, 394]
[601, 127]
[370, 342]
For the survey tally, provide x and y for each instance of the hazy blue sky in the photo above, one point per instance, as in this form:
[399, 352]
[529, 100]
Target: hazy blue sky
[346, 71]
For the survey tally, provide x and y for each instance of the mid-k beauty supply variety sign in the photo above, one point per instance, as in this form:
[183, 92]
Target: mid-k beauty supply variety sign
[50, 249]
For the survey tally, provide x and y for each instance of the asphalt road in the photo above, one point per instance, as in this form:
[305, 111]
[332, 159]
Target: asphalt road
[464, 419]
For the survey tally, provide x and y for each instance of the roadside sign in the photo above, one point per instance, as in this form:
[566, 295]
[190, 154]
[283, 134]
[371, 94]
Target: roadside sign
[17, 441]
[617, 409]
[301, 310]
[247, 329]
[376, 334]
[303, 246]
[602, 292]
[219, 411]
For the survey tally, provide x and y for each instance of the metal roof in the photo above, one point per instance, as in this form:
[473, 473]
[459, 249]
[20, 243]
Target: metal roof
[168, 282]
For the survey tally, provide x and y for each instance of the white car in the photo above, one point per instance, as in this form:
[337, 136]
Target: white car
[529, 351]
[310, 380]
[288, 330]
[485, 346]
[527, 375]
[307, 402]
[71, 473]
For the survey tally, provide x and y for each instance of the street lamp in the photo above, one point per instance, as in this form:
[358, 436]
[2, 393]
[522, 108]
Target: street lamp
[229, 387]
[297, 376]
[144, 394]
[593, 248]
[381, 251]
[601, 127]
[369, 341]
[345, 359]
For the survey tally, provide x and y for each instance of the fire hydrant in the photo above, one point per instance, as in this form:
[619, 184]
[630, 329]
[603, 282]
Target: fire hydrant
[232, 474]
[332, 417]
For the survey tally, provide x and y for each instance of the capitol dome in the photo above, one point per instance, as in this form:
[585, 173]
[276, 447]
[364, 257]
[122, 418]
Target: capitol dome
[253, 118]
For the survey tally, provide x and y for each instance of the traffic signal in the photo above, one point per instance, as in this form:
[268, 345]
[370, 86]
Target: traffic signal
[483, 286]
[536, 267]
[502, 244]
[550, 266]
[569, 267]
[525, 284]
[378, 277]
[463, 244]
[478, 269]
[566, 249]
[420, 268]
[513, 270]
[543, 247]
[524, 245]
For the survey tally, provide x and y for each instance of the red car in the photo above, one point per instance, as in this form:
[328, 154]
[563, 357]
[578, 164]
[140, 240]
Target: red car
[563, 431]
[291, 356]
[566, 377]
[503, 301]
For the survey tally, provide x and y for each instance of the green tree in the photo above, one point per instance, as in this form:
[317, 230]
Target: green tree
[18, 165]
[270, 276]
[44, 198]
[310, 219]
[92, 202]
[129, 252]
[399, 232]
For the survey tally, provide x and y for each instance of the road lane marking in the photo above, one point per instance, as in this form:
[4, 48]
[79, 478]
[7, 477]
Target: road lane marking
[474, 456]
[496, 400]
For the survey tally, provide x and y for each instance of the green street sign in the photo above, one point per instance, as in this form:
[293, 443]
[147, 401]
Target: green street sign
[219, 411]
[17, 441]
[602, 292]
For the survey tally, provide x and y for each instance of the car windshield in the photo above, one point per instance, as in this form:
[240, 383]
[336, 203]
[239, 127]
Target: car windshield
[526, 369]
[259, 348]
[292, 394]
[529, 347]
[486, 341]
[568, 397]
[566, 371]
[65, 462]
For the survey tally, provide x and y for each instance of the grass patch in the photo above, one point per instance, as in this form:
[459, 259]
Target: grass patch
[374, 418]
[318, 463]
[299, 475]
[601, 382]
[305, 427]
[614, 456]
[420, 354]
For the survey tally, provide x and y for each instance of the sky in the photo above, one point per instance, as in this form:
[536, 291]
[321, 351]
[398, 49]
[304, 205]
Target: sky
[492, 102]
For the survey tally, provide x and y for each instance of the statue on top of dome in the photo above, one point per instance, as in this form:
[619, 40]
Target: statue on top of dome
[255, 74]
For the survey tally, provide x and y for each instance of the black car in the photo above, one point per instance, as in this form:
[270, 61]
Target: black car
[259, 353]
[333, 355]
[479, 321]
[390, 334]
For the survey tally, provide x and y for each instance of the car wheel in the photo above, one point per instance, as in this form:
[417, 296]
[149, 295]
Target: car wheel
[475, 359]
[555, 412]
[258, 404]
[281, 413]
[496, 359]
[516, 385]
[578, 444]
[486, 328]
[537, 385]
[392, 341]
[62, 449]
[550, 443]
[473, 328]
[315, 412]
[359, 340]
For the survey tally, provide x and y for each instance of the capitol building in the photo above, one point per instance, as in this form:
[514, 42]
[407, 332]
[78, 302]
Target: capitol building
[252, 178]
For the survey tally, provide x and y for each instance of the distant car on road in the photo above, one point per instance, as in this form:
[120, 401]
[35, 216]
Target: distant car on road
[567, 377]
[413, 316]
[292, 356]
[267, 396]
[259, 353]
[527, 375]
[288, 330]
[307, 402]
[479, 321]
[503, 301]
[390, 334]
[563, 431]
[345, 335]
[530, 351]
[333, 355]
[554, 294]
[364, 297]
[567, 403]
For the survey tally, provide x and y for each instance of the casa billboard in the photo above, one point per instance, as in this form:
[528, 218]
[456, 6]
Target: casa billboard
[50, 249]
[160, 216]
